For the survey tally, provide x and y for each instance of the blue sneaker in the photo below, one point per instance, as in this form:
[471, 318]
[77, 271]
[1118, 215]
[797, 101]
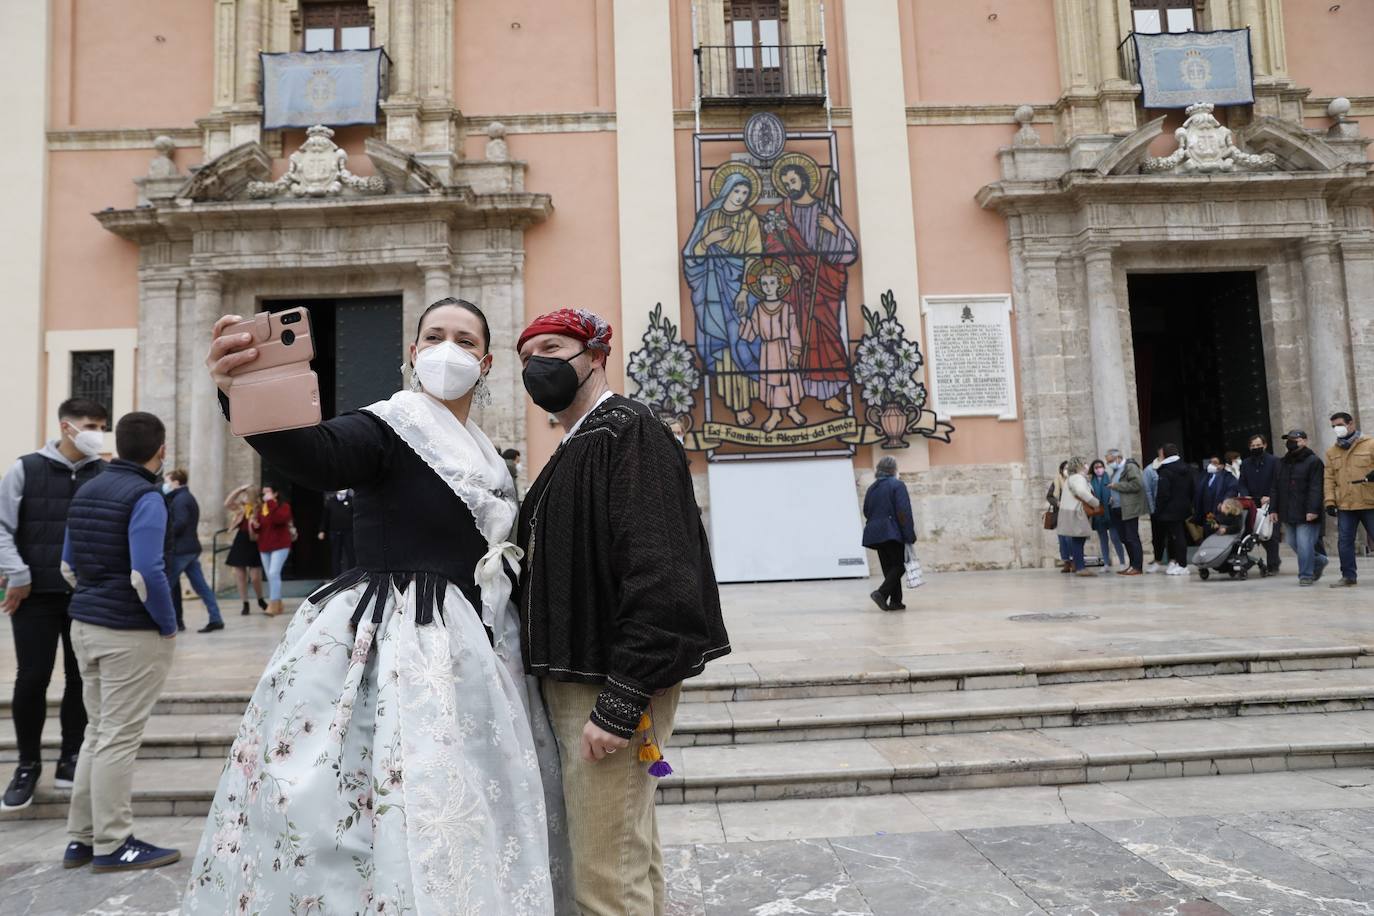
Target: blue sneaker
[135, 854]
[77, 855]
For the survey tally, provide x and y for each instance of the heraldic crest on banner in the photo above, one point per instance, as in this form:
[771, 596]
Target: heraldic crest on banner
[772, 370]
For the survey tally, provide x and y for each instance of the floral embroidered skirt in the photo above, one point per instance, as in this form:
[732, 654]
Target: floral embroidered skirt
[391, 769]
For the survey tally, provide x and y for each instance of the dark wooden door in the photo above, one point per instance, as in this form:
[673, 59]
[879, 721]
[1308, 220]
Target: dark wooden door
[756, 40]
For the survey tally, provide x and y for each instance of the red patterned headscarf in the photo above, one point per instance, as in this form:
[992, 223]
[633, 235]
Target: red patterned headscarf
[590, 328]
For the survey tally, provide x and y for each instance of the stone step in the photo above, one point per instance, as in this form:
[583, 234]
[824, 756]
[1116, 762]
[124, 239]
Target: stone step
[837, 677]
[883, 715]
[209, 735]
[856, 766]
[1044, 756]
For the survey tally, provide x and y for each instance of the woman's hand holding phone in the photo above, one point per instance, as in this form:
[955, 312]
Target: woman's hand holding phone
[228, 351]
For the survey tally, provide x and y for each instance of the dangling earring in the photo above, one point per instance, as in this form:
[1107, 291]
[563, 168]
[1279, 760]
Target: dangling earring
[481, 393]
[409, 378]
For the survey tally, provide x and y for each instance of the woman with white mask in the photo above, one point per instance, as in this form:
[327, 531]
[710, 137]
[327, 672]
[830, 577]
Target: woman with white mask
[393, 756]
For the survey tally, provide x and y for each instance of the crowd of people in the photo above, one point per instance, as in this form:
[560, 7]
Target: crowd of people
[1108, 497]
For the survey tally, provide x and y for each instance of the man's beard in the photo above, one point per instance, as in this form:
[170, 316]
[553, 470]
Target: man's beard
[796, 193]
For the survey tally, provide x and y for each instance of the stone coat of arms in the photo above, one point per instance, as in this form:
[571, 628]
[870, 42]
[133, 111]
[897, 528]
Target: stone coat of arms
[1205, 146]
[318, 169]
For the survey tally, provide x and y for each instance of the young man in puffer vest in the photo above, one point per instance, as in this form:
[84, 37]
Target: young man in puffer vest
[123, 631]
[34, 496]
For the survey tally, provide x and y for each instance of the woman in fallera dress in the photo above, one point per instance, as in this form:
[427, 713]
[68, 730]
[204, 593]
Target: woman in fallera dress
[393, 758]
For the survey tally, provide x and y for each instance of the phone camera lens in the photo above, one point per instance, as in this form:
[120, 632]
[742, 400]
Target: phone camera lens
[291, 318]
[288, 337]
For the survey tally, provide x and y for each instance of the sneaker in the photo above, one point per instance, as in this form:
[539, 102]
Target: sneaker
[896, 607]
[879, 600]
[1176, 570]
[1321, 567]
[211, 627]
[1304, 582]
[65, 774]
[1343, 583]
[262, 605]
[1153, 568]
[77, 855]
[19, 794]
[135, 854]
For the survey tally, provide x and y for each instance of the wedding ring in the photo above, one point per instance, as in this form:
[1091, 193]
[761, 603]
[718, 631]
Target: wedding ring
[610, 750]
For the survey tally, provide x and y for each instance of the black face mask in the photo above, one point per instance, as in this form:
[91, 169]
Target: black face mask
[1291, 445]
[1256, 452]
[553, 383]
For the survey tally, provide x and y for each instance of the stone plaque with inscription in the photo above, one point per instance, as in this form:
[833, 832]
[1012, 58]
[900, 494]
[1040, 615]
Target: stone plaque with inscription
[970, 372]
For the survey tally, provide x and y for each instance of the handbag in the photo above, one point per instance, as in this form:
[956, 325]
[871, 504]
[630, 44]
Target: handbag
[912, 573]
[1092, 511]
[1051, 518]
[1264, 524]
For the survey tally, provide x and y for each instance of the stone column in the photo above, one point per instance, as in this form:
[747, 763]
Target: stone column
[1326, 340]
[402, 48]
[207, 423]
[1108, 58]
[1358, 259]
[248, 42]
[499, 292]
[1111, 400]
[438, 280]
[157, 352]
[1044, 389]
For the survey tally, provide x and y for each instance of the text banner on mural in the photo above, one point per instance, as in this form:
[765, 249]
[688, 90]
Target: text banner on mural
[333, 88]
[1178, 69]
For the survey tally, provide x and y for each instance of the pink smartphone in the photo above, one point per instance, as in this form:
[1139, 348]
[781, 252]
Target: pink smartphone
[278, 390]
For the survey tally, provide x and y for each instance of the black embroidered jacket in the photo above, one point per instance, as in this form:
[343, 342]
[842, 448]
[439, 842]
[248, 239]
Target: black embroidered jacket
[617, 586]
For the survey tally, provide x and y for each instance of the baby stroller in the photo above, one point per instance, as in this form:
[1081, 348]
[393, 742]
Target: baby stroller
[1228, 550]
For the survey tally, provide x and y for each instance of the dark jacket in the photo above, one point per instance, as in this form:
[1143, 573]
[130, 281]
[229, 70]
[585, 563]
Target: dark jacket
[1297, 488]
[101, 558]
[1212, 490]
[1257, 475]
[1102, 522]
[1174, 497]
[49, 485]
[338, 515]
[183, 522]
[887, 508]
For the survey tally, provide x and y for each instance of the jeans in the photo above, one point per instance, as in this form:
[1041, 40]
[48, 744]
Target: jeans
[1305, 540]
[1130, 536]
[189, 563]
[272, 563]
[1348, 521]
[39, 625]
[892, 558]
[1076, 552]
[1065, 549]
[1111, 530]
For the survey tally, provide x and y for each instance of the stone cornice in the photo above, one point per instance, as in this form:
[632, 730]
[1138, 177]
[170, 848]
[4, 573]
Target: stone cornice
[121, 138]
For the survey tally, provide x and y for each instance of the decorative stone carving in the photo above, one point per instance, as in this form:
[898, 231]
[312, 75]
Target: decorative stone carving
[162, 165]
[1205, 146]
[1027, 135]
[402, 172]
[318, 169]
[1342, 127]
[497, 150]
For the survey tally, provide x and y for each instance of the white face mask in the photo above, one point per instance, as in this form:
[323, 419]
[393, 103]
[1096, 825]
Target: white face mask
[447, 371]
[1341, 432]
[166, 488]
[1213, 468]
[89, 442]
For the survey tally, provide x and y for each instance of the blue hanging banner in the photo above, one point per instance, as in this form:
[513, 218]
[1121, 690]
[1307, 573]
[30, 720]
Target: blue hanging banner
[333, 88]
[1178, 69]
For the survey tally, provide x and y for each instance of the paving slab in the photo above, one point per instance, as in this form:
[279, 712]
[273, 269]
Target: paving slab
[1249, 876]
[804, 818]
[1015, 806]
[1340, 841]
[1230, 794]
[685, 825]
[802, 877]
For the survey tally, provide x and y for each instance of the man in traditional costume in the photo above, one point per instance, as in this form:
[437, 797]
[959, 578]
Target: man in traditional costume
[618, 603]
[809, 233]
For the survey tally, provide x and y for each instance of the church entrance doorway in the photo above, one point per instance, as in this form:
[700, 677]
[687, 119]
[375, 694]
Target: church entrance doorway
[357, 358]
[1199, 361]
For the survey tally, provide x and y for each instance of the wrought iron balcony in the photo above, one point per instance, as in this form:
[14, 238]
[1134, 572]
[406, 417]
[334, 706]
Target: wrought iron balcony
[772, 73]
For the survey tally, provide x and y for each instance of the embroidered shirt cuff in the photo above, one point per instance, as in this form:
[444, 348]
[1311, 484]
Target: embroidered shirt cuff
[619, 708]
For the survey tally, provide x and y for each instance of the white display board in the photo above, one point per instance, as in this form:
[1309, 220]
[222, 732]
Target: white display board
[785, 519]
[970, 371]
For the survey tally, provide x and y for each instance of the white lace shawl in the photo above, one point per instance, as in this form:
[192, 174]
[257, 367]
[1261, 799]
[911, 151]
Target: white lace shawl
[464, 458]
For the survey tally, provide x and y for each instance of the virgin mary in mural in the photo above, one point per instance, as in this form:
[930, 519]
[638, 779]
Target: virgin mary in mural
[726, 233]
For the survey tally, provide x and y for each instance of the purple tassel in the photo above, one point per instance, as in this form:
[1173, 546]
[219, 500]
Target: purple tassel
[659, 769]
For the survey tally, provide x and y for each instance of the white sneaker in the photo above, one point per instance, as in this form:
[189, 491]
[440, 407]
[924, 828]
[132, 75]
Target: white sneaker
[1152, 568]
[1176, 570]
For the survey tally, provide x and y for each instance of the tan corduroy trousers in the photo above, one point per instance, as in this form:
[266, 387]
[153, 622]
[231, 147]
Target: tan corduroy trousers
[617, 861]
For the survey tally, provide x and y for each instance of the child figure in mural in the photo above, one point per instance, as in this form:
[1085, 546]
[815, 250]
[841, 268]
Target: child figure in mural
[725, 234]
[773, 325]
[808, 232]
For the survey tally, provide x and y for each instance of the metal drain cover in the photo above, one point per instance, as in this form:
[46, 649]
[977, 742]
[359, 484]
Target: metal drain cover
[1067, 615]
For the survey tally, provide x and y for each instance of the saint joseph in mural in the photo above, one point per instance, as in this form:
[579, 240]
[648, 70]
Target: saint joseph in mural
[809, 234]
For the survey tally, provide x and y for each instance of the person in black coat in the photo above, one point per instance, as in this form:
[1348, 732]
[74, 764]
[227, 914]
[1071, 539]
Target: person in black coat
[889, 528]
[1257, 471]
[337, 525]
[1297, 498]
[183, 549]
[1174, 505]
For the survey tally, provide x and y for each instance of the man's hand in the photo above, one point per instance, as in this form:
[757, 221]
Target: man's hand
[597, 743]
[320, 537]
[1331, 511]
[1264, 500]
[228, 352]
[827, 224]
[14, 596]
[1312, 516]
